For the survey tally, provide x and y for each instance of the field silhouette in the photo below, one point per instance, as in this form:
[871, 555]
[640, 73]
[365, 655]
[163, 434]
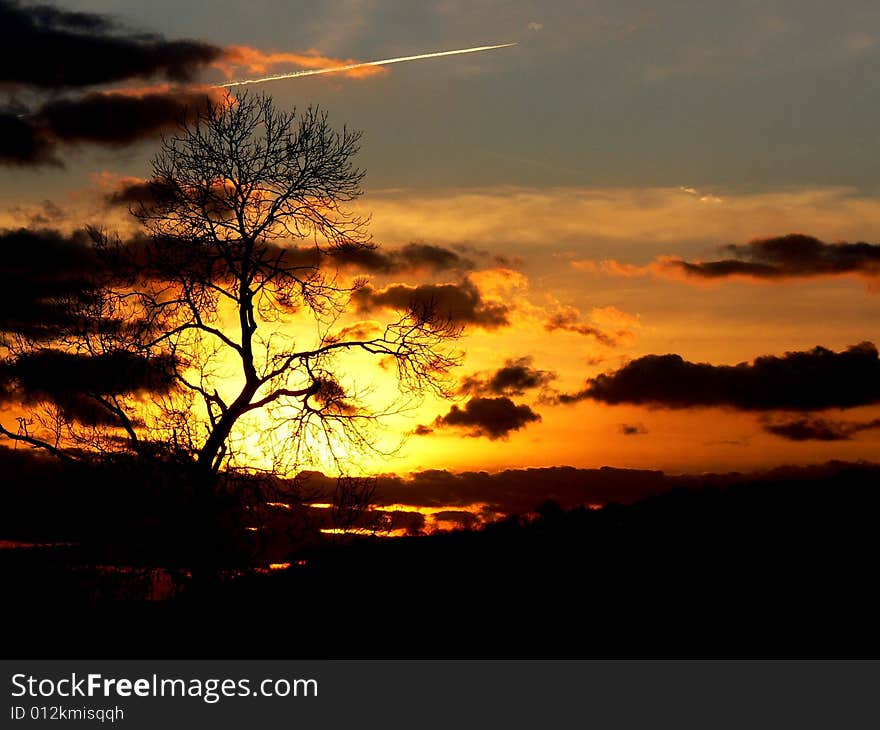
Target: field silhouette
[779, 564]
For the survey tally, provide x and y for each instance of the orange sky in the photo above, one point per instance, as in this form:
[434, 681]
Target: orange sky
[552, 239]
[566, 176]
[550, 235]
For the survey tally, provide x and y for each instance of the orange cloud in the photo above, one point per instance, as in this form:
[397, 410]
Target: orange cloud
[612, 267]
[499, 282]
[613, 316]
[140, 91]
[794, 256]
[667, 267]
[609, 326]
[239, 59]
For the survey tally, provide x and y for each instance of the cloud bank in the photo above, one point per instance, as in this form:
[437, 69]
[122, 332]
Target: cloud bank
[816, 379]
[514, 378]
[777, 258]
[462, 302]
[49, 48]
[492, 418]
[811, 428]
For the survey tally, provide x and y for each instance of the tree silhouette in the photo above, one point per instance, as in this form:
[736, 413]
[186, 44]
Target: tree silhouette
[227, 306]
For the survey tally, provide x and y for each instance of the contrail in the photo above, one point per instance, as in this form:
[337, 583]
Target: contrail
[349, 67]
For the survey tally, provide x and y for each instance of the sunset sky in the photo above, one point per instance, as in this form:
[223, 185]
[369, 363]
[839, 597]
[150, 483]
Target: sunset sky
[633, 199]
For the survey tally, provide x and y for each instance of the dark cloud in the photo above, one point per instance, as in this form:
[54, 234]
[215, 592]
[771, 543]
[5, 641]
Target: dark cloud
[137, 194]
[410, 257]
[633, 429]
[133, 193]
[459, 518]
[794, 255]
[366, 259]
[24, 143]
[76, 384]
[461, 303]
[375, 260]
[569, 320]
[85, 410]
[55, 375]
[797, 381]
[97, 118]
[119, 119]
[516, 377]
[42, 275]
[810, 428]
[49, 48]
[412, 522]
[514, 490]
[496, 259]
[493, 418]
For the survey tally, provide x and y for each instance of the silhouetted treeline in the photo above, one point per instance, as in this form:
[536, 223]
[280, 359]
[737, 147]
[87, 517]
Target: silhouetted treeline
[775, 566]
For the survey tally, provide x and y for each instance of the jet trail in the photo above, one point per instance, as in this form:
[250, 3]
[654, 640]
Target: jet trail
[349, 67]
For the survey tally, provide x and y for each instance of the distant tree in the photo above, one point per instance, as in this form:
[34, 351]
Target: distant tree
[228, 306]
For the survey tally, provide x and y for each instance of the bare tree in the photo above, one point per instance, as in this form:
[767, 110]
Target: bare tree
[231, 306]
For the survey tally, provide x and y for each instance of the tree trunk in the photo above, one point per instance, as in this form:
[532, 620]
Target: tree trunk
[207, 457]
